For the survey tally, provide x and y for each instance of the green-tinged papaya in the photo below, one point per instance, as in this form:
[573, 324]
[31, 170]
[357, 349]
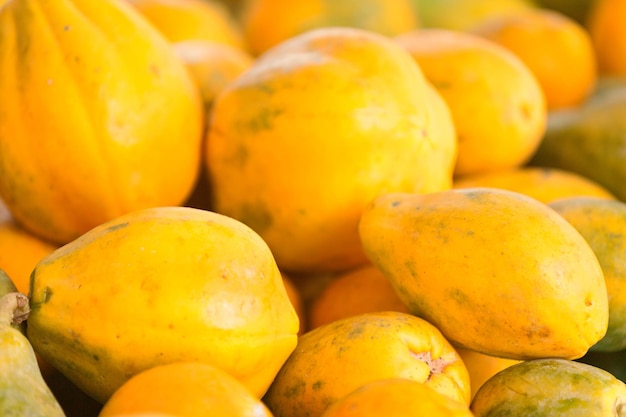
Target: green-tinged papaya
[603, 225]
[590, 141]
[551, 387]
[23, 391]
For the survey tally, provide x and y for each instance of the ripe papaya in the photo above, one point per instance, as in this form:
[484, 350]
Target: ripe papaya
[157, 286]
[496, 271]
[98, 116]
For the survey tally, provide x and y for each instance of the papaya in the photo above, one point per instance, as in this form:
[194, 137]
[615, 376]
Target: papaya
[157, 286]
[297, 161]
[589, 140]
[23, 391]
[336, 358]
[98, 116]
[551, 387]
[494, 270]
[603, 224]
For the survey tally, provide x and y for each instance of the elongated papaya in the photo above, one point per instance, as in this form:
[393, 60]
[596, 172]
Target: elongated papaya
[23, 391]
[496, 271]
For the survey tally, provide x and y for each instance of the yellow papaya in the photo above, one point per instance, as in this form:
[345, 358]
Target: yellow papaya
[298, 160]
[541, 183]
[98, 116]
[496, 271]
[156, 286]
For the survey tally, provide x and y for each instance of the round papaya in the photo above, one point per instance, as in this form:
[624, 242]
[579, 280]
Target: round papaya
[315, 128]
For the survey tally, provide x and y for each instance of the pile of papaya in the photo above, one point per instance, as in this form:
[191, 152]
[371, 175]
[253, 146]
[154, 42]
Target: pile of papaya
[322, 208]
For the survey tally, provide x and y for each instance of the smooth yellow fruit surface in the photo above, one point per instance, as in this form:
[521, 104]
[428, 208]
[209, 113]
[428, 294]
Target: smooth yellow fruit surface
[605, 23]
[185, 389]
[541, 183]
[497, 105]
[212, 65]
[182, 20]
[397, 397]
[556, 48]
[98, 116]
[496, 271]
[300, 142]
[360, 290]
[266, 23]
[157, 286]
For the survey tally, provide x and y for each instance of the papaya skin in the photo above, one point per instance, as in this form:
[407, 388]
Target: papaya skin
[550, 387]
[23, 391]
[541, 183]
[603, 224]
[454, 258]
[590, 141]
[295, 151]
[187, 284]
[98, 116]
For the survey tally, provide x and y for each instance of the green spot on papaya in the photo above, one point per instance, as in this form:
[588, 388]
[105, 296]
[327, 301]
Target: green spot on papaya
[116, 227]
[256, 216]
[356, 331]
[459, 296]
[46, 295]
[263, 120]
[317, 385]
[295, 388]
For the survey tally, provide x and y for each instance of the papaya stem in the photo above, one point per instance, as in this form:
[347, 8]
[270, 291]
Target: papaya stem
[14, 308]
